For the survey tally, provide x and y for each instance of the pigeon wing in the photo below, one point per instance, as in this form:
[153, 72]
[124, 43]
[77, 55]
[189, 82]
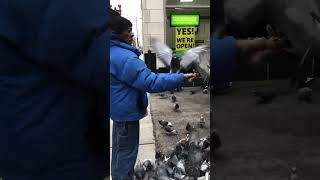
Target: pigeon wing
[199, 58]
[163, 52]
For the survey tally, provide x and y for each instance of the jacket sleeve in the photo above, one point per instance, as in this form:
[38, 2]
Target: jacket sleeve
[136, 74]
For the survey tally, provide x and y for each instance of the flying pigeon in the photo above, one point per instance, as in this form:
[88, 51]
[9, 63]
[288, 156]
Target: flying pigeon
[197, 58]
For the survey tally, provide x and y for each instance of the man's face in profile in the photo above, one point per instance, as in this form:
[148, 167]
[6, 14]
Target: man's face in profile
[127, 35]
[131, 38]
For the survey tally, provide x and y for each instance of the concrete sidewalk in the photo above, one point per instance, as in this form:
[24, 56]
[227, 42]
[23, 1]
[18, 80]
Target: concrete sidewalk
[146, 141]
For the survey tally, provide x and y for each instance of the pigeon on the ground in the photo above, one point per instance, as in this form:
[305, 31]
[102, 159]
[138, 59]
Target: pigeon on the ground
[189, 128]
[173, 99]
[264, 96]
[305, 94]
[159, 156]
[176, 107]
[164, 123]
[205, 91]
[204, 143]
[148, 164]
[201, 121]
[161, 170]
[185, 140]
[163, 96]
[294, 173]
[139, 171]
[170, 131]
[205, 166]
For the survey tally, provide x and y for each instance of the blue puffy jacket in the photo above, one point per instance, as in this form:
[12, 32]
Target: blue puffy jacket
[53, 89]
[129, 77]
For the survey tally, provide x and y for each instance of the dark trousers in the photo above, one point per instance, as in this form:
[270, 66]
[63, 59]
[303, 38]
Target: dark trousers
[125, 144]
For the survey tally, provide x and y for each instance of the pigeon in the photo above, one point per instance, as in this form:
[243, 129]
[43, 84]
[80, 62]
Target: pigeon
[205, 91]
[215, 139]
[195, 159]
[178, 148]
[159, 156]
[161, 170]
[179, 176]
[189, 128]
[170, 131]
[305, 94]
[176, 107]
[164, 123]
[294, 173]
[174, 160]
[205, 166]
[170, 171]
[192, 92]
[206, 154]
[185, 140]
[205, 177]
[197, 58]
[148, 164]
[299, 79]
[163, 96]
[139, 171]
[180, 167]
[173, 99]
[264, 96]
[204, 143]
[201, 121]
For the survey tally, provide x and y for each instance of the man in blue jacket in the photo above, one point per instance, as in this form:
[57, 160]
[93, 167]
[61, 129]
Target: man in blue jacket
[53, 60]
[130, 80]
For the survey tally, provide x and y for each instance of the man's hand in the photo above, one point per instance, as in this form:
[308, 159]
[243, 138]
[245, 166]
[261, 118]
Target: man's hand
[191, 76]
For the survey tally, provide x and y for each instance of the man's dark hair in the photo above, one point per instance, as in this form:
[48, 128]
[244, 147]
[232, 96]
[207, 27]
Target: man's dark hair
[119, 24]
[113, 12]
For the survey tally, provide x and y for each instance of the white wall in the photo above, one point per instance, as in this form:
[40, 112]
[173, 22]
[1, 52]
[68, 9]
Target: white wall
[153, 23]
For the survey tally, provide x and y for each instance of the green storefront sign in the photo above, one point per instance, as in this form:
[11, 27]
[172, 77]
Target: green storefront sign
[184, 20]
